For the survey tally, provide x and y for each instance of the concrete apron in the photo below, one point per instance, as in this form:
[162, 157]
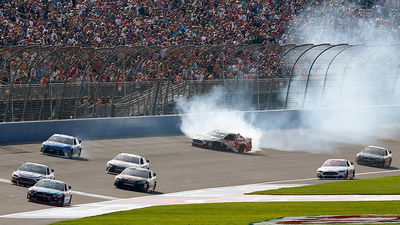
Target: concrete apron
[209, 195]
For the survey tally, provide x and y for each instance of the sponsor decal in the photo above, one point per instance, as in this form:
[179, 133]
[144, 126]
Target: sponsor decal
[343, 219]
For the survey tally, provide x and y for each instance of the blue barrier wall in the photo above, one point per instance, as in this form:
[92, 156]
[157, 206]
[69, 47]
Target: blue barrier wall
[89, 128]
[162, 125]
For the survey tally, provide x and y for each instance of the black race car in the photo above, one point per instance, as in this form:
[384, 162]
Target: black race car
[29, 173]
[374, 156]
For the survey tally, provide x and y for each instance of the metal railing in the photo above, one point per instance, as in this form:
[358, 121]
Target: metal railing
[42, 83]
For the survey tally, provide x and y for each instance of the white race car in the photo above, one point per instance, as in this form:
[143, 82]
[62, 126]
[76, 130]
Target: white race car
[336, 169]
[125, 160]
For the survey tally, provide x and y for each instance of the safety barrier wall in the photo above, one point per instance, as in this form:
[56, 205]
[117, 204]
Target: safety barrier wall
[170, 125]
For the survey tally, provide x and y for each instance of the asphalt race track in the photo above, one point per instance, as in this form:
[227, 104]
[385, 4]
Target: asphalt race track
[178, 165]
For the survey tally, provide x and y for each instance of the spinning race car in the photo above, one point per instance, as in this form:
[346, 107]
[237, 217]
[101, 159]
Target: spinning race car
[62, 145]
[221, 140]
[336, 169]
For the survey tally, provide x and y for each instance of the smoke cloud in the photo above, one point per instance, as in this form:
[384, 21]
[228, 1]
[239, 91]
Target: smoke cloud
[204, 113]
[361, 77]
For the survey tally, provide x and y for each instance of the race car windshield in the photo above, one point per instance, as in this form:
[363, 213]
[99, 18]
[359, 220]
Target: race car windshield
[33, 168]
[135, 172]
[335, 163]
[63, 140]
[50, 184]
[216, 133]
[127, 158]
[375, 151]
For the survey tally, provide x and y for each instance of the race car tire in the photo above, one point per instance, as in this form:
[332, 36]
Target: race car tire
[79, 152]
[61, 202]
[242, 148]
[390, 163]
[70, 199]
[354, 174]
[155, 185]
[382, 164]
[146, 187]
[69, 154]
[117, 184]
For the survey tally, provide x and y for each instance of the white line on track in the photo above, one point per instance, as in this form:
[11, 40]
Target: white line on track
[5, 181]
[94, 195]
[77, 192]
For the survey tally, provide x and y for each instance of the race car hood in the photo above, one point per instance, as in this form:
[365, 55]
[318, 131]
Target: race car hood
[130, 178]
[45, 190]
[122, 163]
[55, 144]
[27, 174]
[331, 168]
[205, 137]
[363, 154]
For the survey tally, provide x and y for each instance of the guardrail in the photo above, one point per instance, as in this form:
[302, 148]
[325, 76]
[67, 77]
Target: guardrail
[170, 124]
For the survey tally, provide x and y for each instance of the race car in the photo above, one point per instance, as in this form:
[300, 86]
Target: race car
[124, 160]
[62, 145]
[225, 141]
[50, 191]
[137, 179]
[374, 156]
[29, 173]
[336, 169]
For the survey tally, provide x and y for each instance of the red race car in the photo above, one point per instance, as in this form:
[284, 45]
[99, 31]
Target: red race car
[225, 141]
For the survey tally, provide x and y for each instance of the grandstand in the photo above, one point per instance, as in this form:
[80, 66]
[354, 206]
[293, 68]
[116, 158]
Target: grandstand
[64, 59]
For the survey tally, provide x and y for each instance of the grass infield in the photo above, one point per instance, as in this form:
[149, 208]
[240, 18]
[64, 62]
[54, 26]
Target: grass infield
[246, 213]
[373, 186]
[235, 213]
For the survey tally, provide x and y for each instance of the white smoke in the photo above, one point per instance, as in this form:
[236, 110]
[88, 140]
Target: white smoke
[367, 76]
[342, 22]
[204, 113]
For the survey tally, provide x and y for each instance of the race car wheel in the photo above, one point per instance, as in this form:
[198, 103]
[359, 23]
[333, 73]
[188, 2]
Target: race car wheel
[69, 154]
[79, 153]
[117, 184]
[382, 164]
[145, 187]
[390, 162]
[70, 199]
[242, 148]
[155, 184]
[354, 174]
[61, 201]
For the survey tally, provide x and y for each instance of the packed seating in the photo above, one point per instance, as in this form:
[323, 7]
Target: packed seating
[154, 22]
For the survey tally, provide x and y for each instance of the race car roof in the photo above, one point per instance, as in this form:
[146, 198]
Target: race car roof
[37, 164]
[63, 135]
[130, 154]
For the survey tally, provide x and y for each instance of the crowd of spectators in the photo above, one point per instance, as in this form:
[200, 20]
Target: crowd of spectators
[106, 23]
[149, 22]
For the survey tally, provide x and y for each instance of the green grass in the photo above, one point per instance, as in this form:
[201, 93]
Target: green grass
[246, 213]
[234, 213]
[374, 186]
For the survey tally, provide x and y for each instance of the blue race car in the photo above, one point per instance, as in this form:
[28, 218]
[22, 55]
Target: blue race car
[62, 145]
